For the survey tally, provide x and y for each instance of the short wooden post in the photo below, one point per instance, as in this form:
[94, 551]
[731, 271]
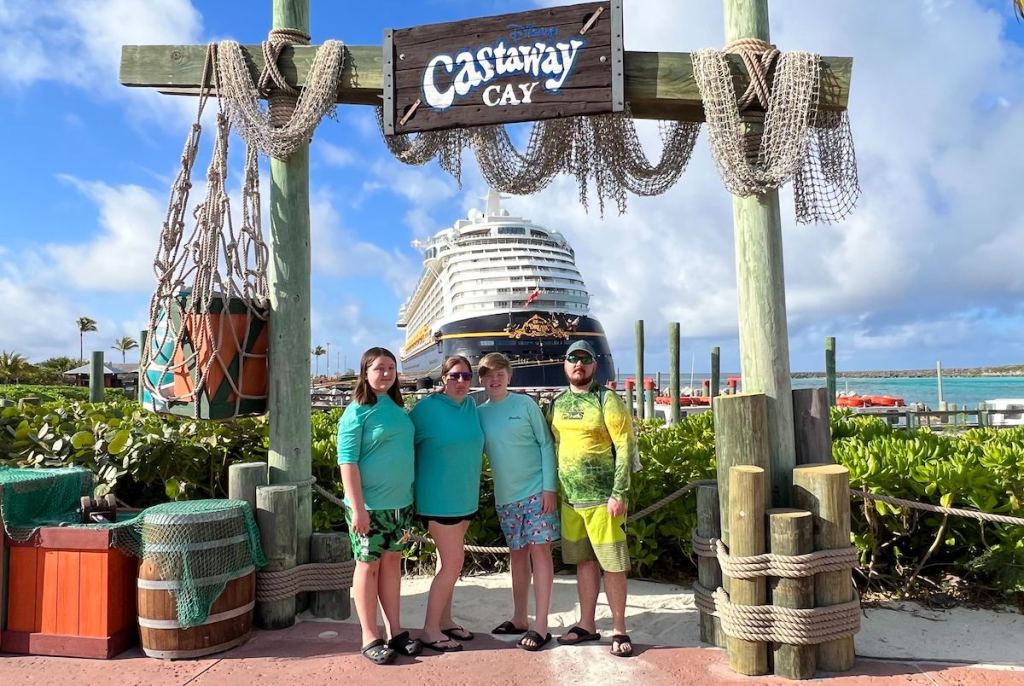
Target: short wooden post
[824, 490]
[243, 480]
[912, 419]
[741, 438]
[716, 370]
[657, 383]
[629, 396]
[747, 491]
[143, 341]
[330, 547]
[673, 371]
[96, 377]
[709, 572]
[938, 380]
[649, 398]
[640, 368]
[275, 514]
[830, 372]
[812, 433]
[982, 415]
[791, 532]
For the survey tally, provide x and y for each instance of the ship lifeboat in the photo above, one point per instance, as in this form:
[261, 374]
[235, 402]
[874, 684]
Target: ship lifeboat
[850, 401]
[885, 401]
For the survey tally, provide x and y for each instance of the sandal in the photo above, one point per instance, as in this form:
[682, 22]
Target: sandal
[622, 645]
[405, 645]
[377, 652]
[451, 647]
[507, 628]
[457, 633]
[579, 635]
[538, 641]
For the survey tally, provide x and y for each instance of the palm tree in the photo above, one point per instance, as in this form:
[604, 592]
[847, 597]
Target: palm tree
[317, 352]
[84, 324]
[124, 344]
[12, 366]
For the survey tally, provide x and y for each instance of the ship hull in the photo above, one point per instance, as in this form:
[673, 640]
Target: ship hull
[534, 341]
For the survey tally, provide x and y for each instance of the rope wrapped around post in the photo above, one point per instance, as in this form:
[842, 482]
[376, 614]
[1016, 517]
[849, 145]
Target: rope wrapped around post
[315, 576]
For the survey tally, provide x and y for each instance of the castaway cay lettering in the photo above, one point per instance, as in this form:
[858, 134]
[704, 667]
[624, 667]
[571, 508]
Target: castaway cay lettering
[540, 61]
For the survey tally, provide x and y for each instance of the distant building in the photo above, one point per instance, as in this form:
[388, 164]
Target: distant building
[115, 375]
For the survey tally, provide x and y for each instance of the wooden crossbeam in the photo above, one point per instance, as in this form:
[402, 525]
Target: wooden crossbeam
[659, 85]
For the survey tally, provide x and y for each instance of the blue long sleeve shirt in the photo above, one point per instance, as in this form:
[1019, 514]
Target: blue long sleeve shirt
[519, 447]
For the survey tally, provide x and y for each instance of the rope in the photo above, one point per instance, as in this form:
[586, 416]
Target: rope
[703, 547]
[955, 511]
[787, 566]
[809, 626]
[315, 576]
[759, 57]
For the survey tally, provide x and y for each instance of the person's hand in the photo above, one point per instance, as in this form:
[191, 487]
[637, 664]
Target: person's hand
[548, 502]
[361, 521]
[616, 508]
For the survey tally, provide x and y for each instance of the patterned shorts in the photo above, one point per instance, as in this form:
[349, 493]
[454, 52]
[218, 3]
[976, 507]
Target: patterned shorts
[524, 522]
[590, 533]
[390, 532]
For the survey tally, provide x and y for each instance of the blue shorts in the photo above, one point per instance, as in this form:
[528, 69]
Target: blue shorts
[524, 522]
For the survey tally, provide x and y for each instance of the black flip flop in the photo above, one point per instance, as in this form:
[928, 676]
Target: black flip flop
[405, 645]
[377, 652]
[581, 636]
[507, 628]
[453, 632]
[622, 639]
[436, 645]
[538, 641]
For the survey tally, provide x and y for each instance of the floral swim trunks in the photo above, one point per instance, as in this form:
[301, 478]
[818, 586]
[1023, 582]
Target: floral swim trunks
[389, 533]
[524, 522]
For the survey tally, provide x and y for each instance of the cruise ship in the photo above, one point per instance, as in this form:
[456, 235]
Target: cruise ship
[494, 282]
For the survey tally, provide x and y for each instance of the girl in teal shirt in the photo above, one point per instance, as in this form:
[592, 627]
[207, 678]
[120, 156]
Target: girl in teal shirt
[449, 457]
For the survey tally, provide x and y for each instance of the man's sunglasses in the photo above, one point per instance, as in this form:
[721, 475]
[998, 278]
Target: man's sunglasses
[584, 358]
[457, 376]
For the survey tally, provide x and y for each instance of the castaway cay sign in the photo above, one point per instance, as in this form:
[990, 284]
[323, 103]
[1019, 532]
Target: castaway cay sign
[556, 62]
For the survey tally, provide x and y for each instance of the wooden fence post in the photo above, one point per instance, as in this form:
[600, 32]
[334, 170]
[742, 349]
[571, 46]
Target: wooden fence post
[716, 371]
[812, 432]
[275, 514]
[741, 438]
[673, 371]
[244, 478]
[330, 547]
[709, 572]
[830, 371]
[791, 532]
[640, 368]
[747, 492]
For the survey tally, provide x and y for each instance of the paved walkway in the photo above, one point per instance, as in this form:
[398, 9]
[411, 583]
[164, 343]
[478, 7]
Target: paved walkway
[314, 653]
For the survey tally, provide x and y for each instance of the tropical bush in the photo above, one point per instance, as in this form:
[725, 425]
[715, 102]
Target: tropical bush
[48, 394]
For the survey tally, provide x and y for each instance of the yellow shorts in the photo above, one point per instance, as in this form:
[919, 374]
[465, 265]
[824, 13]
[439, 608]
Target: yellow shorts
[592, 534]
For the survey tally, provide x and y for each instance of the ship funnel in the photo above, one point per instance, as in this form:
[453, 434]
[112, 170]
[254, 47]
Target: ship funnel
[493, 203]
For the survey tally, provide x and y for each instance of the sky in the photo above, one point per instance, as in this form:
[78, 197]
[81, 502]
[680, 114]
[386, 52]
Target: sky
[929, 267]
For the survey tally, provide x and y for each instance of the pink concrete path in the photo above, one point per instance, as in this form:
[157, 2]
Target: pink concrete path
[314, 653]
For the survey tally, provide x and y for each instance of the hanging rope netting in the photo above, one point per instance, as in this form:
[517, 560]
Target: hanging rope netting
[773, 134]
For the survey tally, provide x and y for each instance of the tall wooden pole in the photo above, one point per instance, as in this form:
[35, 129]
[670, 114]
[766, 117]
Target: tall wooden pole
[96, 377]
[640, 401]
[673, 371]
[289, 275]
[716, 371]
[830, 369]
[143, 342]
[760, 285]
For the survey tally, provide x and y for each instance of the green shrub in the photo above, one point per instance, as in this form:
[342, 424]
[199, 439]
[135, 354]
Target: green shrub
[53, 393]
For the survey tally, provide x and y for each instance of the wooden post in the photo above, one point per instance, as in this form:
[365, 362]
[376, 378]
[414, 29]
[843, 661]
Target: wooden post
[830, 371]
[244, 479]
[143, 341]
[812, 432]
[330, 547]
[629, 396]
[96, 377]
[275, 514]
[760, 286]
[289, 456]
[709, 572]
[741, 438]
[792, 533]
[673, 371]
[938, 380]
[824, 490]
[649, 398]
[982, 415]
[657, 383]
[747, 488]
[640, 368]
[716, 370]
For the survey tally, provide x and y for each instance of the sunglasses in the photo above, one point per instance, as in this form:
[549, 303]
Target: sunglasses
[460, 376]
[584, 358]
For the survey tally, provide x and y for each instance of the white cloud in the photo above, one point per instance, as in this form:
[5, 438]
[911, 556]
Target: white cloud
[336, 155]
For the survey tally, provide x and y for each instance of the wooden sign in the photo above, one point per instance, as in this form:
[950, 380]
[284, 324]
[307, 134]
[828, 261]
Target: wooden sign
[542, 64]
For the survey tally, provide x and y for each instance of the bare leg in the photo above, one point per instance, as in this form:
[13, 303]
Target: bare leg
[588, 584]
[450, 556]
[520, 564]
[543, 578]
[615, 589]
[389, 590]
[447, 621]
[364, 589]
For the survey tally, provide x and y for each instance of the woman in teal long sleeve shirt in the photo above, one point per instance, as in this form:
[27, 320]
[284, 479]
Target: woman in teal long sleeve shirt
[449, 457]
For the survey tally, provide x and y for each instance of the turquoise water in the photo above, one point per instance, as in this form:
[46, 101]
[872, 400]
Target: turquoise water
[961, 390]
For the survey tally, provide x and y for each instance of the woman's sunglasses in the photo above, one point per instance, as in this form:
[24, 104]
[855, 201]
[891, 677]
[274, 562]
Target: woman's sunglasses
[574, 358]
[460, 376]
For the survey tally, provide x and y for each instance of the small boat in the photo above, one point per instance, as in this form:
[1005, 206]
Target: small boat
[854, 400]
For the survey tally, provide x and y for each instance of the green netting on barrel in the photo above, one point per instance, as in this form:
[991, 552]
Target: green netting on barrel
[31, 498]
[198, 547]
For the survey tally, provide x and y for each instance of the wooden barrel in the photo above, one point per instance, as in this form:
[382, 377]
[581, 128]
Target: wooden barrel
[194, 541]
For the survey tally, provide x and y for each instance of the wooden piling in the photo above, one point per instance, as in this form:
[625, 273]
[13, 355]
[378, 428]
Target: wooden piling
[629, 396]
[275, 514]
[649, 398]
[716, 370]
[143, 341]
[330, 547]
[96, 377]
[982, 414]
[747, 488]
[709, 572]
[812, 433]
[791, 532]
[243, 480]
[741, 438]
[824, 490]
[830, 372]
[673, 371]
[640, 368]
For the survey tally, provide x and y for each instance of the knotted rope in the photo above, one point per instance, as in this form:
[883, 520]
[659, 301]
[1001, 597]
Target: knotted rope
[787, 625]
[315, 576]
[759, 57]
[787, 566]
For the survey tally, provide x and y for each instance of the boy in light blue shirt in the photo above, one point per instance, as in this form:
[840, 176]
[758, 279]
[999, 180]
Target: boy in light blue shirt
[521, 452]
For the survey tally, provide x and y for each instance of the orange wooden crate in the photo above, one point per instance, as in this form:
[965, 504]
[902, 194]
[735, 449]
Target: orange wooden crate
[69, 593]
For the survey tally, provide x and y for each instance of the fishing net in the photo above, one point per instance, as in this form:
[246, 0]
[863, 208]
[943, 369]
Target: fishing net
[31, 498]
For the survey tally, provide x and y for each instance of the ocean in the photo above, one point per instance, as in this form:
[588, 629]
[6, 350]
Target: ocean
[962, 390]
